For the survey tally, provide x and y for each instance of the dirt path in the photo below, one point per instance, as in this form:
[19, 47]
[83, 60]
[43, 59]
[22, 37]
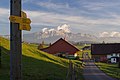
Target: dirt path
[92, 72]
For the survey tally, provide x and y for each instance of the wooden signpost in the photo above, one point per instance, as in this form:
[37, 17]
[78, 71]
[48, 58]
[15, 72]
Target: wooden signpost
[0, 55]
[23, 21]
[18, 22]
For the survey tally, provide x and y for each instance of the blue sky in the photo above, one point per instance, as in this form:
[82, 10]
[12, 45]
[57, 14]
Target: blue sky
[82, 15]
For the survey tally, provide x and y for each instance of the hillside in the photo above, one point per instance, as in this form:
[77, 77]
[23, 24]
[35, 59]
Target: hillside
[36, 65]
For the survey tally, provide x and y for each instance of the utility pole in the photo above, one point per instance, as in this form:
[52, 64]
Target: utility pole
[15, 42]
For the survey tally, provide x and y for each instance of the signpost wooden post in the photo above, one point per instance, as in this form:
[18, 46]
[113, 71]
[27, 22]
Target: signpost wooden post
[15, 42]
[0, 55]
[18, 21]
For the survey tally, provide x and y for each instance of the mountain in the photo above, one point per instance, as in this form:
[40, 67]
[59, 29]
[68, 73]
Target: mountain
[109, 39]
[38, 37]
[50, 37]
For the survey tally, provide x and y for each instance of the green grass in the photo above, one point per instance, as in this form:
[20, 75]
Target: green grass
[81, 52]
[80, 47]
[36, 65]
[110, 69]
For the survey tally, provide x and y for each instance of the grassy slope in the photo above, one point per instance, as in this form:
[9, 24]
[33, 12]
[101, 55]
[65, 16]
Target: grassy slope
[110, 69]
[36, 65]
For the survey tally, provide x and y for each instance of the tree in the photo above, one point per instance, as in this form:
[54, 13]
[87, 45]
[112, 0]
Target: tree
[40, 46]
[103, 42]
[43, 42]
[50, 44]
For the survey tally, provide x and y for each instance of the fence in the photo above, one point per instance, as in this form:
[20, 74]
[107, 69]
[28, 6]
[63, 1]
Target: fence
[73, 71]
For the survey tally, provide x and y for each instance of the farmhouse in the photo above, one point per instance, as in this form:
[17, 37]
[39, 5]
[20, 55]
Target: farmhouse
[106, 52]
[61, 48]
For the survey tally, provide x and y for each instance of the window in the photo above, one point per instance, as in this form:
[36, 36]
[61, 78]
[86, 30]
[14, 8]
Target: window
[114, 59]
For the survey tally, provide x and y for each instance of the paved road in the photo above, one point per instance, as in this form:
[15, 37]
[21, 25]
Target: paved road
[92, 72]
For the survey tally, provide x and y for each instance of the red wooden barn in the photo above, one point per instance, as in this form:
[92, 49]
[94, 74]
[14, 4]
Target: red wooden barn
[61, 47]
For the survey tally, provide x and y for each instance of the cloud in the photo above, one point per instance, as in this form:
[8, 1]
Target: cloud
[94, 6]
[52, 30]
[53, 19]
[44, 30]
[4, 11]
[104, 34]
[4, 15]
[28, 1]
[100, 5]
[60, 7]
[51, 5]
[110, 34]
[40, 17]
[115, 34]
[64, 28]
[60, 29]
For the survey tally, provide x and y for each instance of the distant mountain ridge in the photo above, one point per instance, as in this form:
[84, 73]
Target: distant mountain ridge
[38, 37]
[52, 36]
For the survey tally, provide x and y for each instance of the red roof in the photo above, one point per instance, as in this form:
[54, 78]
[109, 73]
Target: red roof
[61, 46]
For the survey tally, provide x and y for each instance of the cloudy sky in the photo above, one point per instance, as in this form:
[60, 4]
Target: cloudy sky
[81, 15]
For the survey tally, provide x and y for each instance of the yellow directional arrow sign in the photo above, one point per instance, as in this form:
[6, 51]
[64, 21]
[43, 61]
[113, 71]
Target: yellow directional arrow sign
[23, 21]
[25, 27]
[16, 19]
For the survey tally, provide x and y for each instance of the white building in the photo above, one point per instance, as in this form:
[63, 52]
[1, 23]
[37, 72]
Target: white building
[114, 57]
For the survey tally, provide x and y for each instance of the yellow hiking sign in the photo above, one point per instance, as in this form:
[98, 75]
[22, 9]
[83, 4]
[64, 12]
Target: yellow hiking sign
[23, 21]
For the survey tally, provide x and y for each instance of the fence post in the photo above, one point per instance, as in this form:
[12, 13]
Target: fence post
[71, 69]
[74, 73]
[119, 63]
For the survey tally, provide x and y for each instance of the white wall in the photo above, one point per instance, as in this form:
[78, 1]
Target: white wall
[109, 56]
[113, 54]
[113, 60]
[118, 54]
